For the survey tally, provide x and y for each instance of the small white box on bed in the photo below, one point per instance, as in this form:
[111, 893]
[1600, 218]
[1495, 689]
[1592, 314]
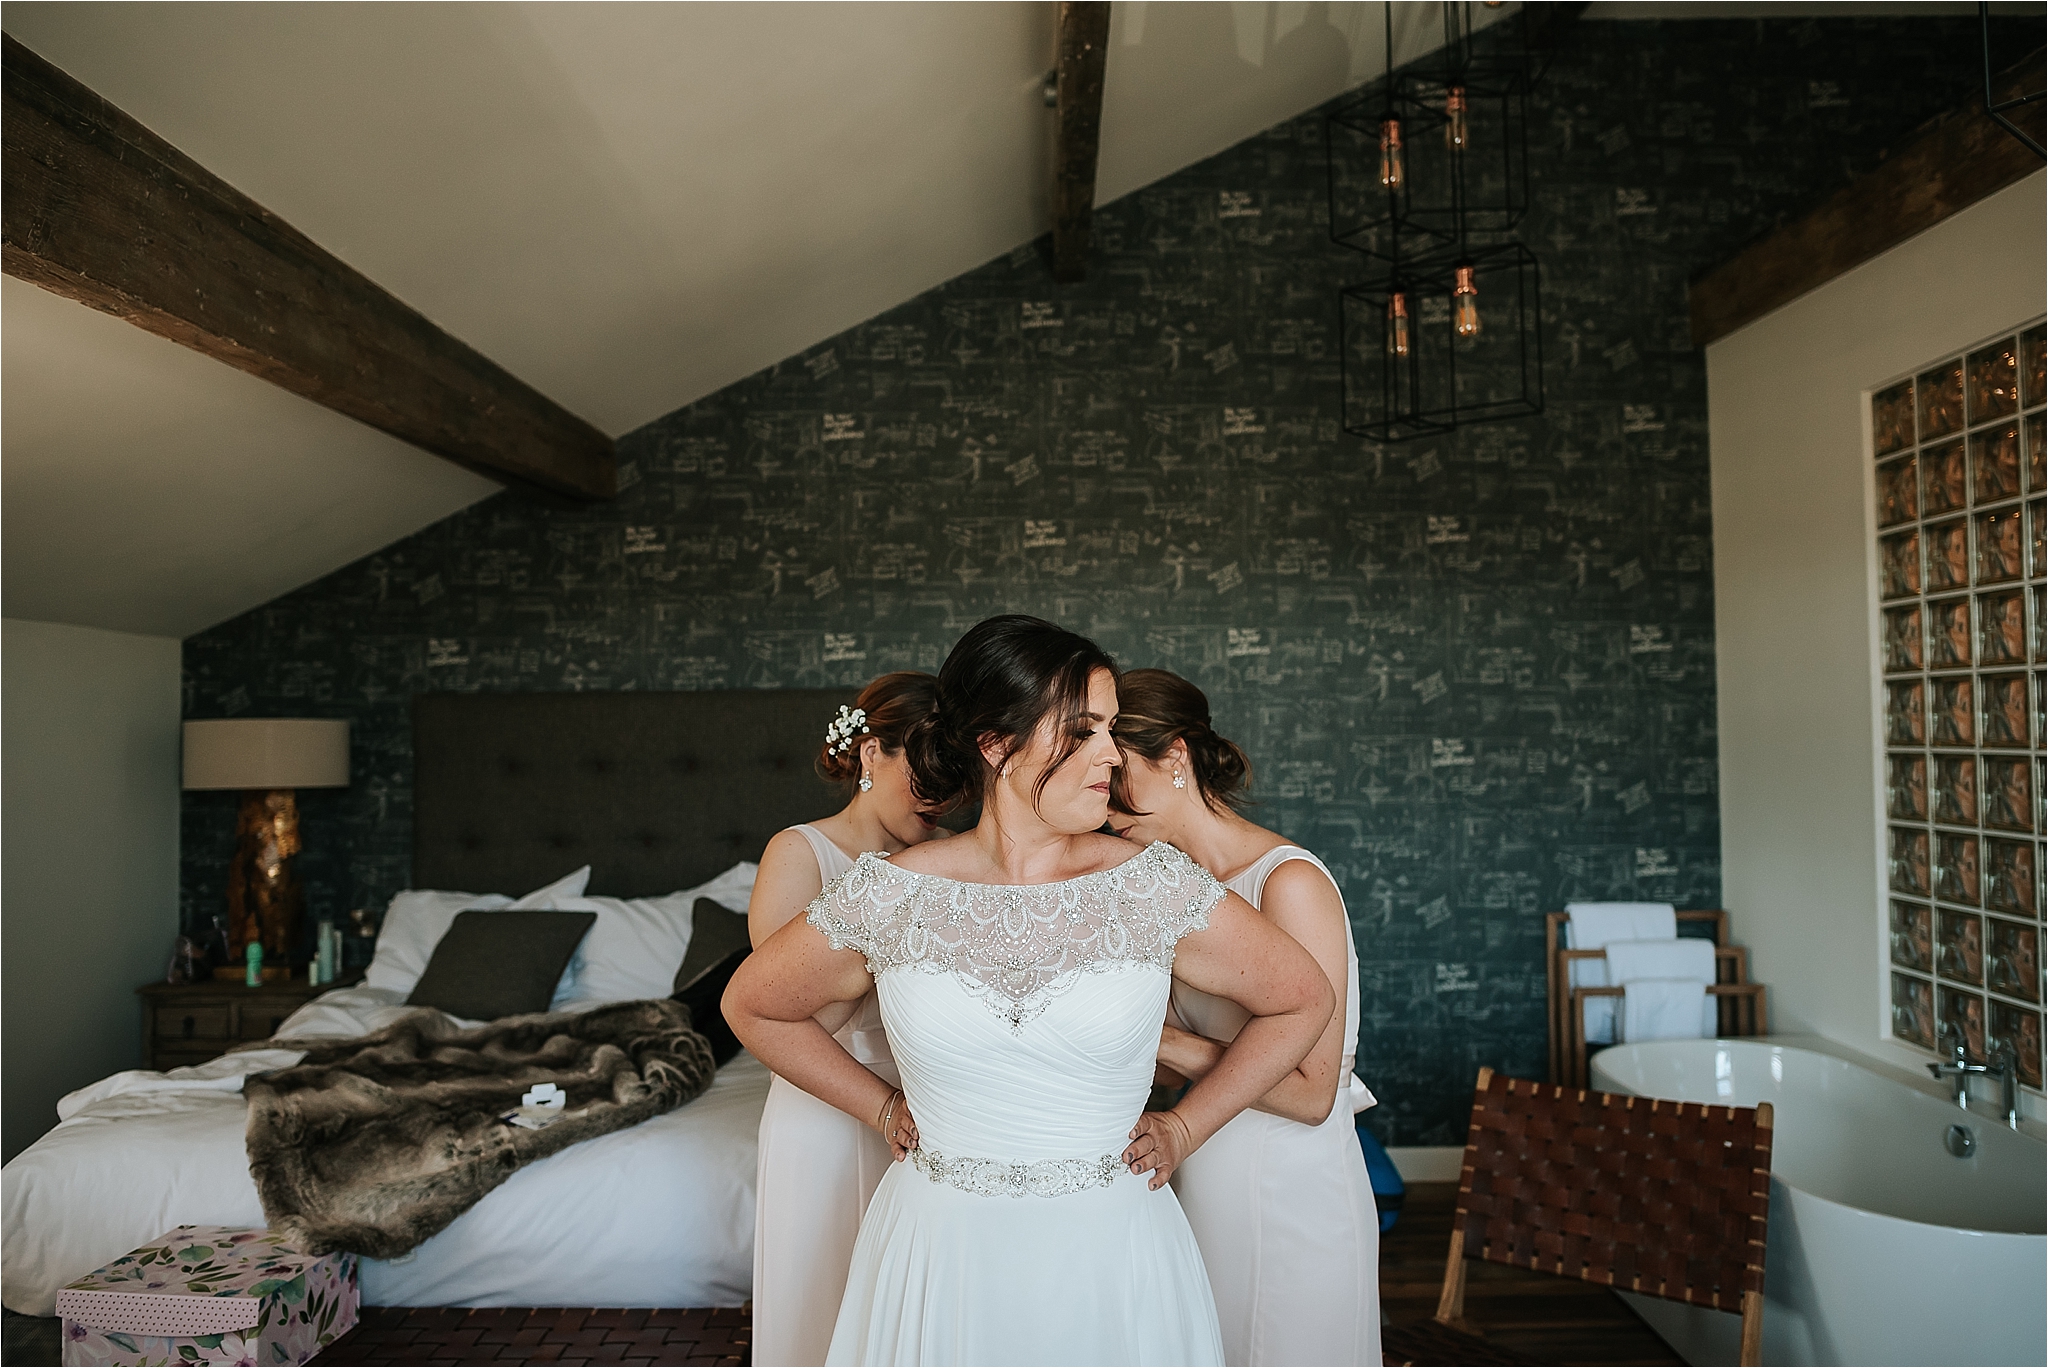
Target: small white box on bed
[210, 1294]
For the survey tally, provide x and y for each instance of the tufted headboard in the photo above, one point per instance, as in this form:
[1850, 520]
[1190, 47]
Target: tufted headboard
[654, 791]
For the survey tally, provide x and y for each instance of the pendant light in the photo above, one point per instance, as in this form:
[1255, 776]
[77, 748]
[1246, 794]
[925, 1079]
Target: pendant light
[1420, 354]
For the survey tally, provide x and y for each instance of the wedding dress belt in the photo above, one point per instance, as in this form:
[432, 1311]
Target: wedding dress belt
[1000, 1178]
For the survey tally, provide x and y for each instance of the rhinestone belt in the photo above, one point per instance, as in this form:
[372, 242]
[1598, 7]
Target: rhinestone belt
[1039, 1178]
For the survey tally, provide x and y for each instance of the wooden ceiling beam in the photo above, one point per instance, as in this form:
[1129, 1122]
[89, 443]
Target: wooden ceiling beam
[1952, 162]
[95, 207]
[1077, 131]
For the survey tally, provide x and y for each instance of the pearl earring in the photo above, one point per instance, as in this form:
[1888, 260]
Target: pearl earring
[1180, 781]
[866, 783]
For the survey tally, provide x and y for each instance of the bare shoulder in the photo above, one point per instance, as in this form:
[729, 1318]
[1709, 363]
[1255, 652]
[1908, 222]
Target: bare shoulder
[785, 850]
[949, 859]
[1298, 878]
[1099, 850]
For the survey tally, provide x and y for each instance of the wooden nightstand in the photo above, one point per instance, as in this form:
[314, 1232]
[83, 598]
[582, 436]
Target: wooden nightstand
[190, 1023]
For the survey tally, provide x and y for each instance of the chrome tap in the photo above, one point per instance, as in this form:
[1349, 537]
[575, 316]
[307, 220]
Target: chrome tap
[2006, 1071]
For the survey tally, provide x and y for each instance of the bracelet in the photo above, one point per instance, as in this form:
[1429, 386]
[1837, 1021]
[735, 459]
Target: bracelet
[889, 1112]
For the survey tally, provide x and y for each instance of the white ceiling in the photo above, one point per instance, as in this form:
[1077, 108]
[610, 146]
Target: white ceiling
[151, 489]
[627, 205]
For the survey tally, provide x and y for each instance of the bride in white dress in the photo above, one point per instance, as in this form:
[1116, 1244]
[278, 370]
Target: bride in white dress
[818, 1166]
[1022, 971]
[1279, 1198]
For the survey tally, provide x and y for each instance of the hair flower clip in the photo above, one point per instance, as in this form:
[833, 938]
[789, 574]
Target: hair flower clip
[839, 733]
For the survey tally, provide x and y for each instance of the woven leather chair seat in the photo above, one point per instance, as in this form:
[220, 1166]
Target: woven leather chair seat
[1669, 1199]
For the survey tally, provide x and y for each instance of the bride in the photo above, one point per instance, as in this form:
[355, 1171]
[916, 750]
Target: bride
[1022, 971]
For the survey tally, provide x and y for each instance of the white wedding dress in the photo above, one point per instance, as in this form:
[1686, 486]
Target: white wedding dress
[1284, 1212]
[1025, 1021]
[816, 1171]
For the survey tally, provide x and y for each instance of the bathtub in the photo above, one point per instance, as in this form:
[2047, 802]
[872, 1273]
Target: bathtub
[1884, 1248]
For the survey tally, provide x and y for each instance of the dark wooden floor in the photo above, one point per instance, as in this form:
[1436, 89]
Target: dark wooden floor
[1552, 1320]
[495, 1335]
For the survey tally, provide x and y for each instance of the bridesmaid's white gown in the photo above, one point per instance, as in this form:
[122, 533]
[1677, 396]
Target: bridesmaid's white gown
[1025, 1021]
[817, 1168]
[1284, 1212]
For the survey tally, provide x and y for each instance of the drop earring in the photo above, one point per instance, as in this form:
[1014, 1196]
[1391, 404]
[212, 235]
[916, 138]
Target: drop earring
[1180, 781]
[866, 783]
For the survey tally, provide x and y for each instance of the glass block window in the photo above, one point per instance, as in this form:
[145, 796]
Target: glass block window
[1960, 529]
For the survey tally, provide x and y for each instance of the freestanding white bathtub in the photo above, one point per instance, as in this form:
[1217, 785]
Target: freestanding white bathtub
[1884, 1248]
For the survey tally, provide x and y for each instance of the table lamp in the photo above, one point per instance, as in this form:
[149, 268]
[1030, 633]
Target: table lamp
[267, 758]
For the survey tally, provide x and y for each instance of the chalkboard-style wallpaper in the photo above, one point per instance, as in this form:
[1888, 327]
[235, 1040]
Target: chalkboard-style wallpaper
[1476, 673]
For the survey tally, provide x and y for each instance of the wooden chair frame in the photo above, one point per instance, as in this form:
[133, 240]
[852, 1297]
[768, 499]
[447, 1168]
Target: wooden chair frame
[1741, 1009]
[1755, 1195]
[1557, 978]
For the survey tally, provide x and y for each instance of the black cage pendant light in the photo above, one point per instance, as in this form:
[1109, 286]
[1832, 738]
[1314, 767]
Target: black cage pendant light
[1437, 344]
[1428, 178]
[1440, 151]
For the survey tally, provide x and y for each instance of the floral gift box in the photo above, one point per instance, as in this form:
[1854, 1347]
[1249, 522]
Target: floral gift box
[210, 1294]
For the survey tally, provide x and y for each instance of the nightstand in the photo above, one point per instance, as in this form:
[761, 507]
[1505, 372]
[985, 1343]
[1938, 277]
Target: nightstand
[190, 1023]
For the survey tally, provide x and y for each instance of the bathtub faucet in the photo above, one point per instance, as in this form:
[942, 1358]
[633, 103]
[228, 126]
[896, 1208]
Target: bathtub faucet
[1959, 1067]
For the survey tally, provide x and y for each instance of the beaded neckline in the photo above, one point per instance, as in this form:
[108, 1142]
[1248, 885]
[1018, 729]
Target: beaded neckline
[1016, 946]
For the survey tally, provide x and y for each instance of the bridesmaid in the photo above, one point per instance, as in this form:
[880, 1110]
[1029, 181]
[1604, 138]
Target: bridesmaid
[819, 1166]
[1279, 1198]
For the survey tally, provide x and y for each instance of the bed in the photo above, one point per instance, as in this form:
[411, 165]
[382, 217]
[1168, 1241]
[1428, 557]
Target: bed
[655, 792]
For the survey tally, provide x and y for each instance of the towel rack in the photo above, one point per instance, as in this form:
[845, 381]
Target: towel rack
[1557, 977]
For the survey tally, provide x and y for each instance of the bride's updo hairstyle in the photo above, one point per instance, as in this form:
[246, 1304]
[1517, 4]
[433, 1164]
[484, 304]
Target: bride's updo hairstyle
[893, 702]
[1000, 682]
[1156, 708]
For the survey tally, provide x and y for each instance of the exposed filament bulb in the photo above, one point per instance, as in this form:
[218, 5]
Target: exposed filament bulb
[1391, 169]
[1397, 323]
[1465, 303]
[1456, 131]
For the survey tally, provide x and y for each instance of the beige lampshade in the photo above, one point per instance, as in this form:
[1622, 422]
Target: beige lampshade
[266, 753]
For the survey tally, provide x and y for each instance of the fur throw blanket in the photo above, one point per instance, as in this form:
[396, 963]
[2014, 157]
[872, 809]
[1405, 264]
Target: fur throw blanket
[374, 1143]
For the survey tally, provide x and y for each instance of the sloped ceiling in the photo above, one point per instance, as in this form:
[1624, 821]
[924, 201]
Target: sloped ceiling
[627, 205]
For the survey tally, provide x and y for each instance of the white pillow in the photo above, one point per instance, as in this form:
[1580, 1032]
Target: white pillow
[419, 917]
[637, 945]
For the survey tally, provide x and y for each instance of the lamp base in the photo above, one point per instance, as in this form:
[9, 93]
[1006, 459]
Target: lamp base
[265, 902]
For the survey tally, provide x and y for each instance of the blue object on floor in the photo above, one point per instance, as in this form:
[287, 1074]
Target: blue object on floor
[1388, 1191]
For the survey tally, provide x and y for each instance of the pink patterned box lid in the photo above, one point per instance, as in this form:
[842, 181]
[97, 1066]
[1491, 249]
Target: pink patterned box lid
[193, 1280]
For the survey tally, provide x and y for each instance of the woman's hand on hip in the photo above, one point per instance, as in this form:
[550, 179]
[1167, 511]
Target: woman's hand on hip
[900, 1129]
[1160, 1143]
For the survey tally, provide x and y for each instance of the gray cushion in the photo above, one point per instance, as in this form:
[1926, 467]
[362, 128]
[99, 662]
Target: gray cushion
[715, 932]
[499, 964]
[704, 998]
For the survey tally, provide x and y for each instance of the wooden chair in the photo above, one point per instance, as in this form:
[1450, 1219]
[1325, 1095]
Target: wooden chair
[1557, 978]
[1668, 1199]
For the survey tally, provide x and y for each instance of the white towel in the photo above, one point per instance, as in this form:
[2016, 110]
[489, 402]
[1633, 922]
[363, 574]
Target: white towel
[1592, 926]
[1666, 1009]
[1629, 960]
[1672, 1014]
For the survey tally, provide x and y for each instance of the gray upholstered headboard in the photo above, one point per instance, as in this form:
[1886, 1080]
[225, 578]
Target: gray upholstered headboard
[654, 791]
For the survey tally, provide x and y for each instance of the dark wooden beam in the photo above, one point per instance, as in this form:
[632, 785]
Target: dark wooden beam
[97, 208]
[1949, 164]
[1077, 132]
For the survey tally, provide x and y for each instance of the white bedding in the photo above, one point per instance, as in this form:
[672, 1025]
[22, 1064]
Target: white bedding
[661, 1214]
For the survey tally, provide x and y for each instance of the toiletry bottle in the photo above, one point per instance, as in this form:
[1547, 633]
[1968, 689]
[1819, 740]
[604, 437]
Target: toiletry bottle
[254, 954]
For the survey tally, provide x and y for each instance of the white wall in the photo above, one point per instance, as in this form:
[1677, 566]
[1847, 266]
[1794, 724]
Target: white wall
[89, 878]
[1795, 597]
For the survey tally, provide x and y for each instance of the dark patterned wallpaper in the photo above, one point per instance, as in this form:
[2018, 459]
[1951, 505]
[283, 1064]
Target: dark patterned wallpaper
[1475, 673]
